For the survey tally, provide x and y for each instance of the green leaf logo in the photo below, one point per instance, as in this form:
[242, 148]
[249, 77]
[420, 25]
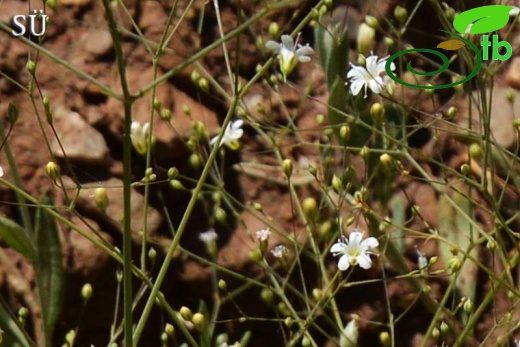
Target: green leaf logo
[451, 45]
[485, 19]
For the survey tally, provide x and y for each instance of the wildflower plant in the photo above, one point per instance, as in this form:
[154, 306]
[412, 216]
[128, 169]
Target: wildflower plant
[424, 180]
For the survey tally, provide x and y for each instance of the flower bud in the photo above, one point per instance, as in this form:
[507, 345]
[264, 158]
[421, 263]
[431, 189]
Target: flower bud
[464, 169]
[186, 313]
[31, 66]
[491, 245]
[386, 160]
[23, 312]
[220, 215]
[274, 30]
[152, 254]
[198, 320]
[47, 108]
[310, 208]
[267, 296]
[452, 112]
[195, 76]
[317, 294]
[344, 132]
[389, 42]
[222, 284]
[444, 329]
[510, 95]
[203, 84]
[258, 207]
[12, 113]
[336, 183]
[454, 264]
[365, 38]
[172, 173]
[384, 338]
[475, 151]
[372, 21]
[166, 114]
[436, 333]
[377, 111]
[177, 185]
[468, 306]
[53, 170]
[169, 329]
[156, 104]
[186, 110]
[101, 199]
[288, 322]
[401, 14]
[86, 291]
[287, 166]
[320, 118]
[365, 153]
[313, 171]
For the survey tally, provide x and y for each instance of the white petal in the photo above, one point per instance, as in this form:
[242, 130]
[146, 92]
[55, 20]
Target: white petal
[364, 261]
[371, 64]
[213, 140]
[238, 123]
[355, 239]
[338, 248]
[288, 42]
[344, 262]
[304, 59]
[303, 51]
[371, 242]
[273, 46]
[376, 85]
[356, 86]
[237, 134]
[1, 171]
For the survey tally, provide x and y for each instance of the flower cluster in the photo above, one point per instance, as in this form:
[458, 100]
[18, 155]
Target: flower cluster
[369, 76]
[354, 251]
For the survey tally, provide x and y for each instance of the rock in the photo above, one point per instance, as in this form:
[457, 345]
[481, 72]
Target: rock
[513, 74]
[97, 42]
[81, 142]
[502, 116]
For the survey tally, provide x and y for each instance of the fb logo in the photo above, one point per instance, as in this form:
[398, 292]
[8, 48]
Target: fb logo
[480, 20]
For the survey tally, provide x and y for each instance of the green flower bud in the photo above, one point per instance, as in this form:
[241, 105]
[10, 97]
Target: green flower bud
[444, 329]
[203, 84]
[386, 160]
[313, 171]
[267, 296]
[186, 110]
[186, 313]
[317, 294]
[287, 166]
[365, 153]
[310, 208]
[86, 291]
[156, 104]
[222, 285]
[320, 118]
[436, 333]
[336, 183]
[12, 113]
[475, 151]
[384, 338]
[31, 67]
[70, 337]
[195, 77]
[344, 132]
[166, 114]
[23, 312]
[152, 254]
[177, 185]
[172, 173]
[53, 170]
[365, 38]
[401, 14]
[258, 207]
[377, 112]
[454, 264]
[289, 322]
[256, 255]
[372, 21]
[491, 245]
[510, 95]
[220, 215]
[468, 306]
[164, 337]
[198, 320]
[274, 30]
[389, 42]
[464, 169]
[196, 161]
[101, 199]
[452, 112]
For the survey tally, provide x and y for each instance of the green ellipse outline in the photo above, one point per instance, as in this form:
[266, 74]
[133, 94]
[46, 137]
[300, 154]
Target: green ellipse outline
[474, 72]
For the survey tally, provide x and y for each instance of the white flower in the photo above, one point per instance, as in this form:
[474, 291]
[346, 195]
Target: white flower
[350, 335]
[263, 235]
[421, 259]
[517, 343]
[1, 171]
[279, 251]
[231, 136]
[369, 76]
[208, 236]
[139, 136]
[354, 251]
[289, 53]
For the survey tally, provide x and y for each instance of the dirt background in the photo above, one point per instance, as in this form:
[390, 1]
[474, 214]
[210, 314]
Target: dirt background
[89, 125]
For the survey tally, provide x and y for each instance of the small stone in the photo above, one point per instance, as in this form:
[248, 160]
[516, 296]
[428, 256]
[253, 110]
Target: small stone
[97, 42]
[81, 142]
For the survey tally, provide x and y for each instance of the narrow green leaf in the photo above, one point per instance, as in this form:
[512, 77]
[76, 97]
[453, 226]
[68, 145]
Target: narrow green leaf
[12, 334]
[16, 237]
[49, 268]
[399, 219]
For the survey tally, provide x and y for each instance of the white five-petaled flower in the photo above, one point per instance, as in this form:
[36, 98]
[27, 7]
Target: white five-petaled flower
[231, 135]
[263, 235]
[289, 53]
[354, 251]
[279, 251]
[369, 76]
[139, 136]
